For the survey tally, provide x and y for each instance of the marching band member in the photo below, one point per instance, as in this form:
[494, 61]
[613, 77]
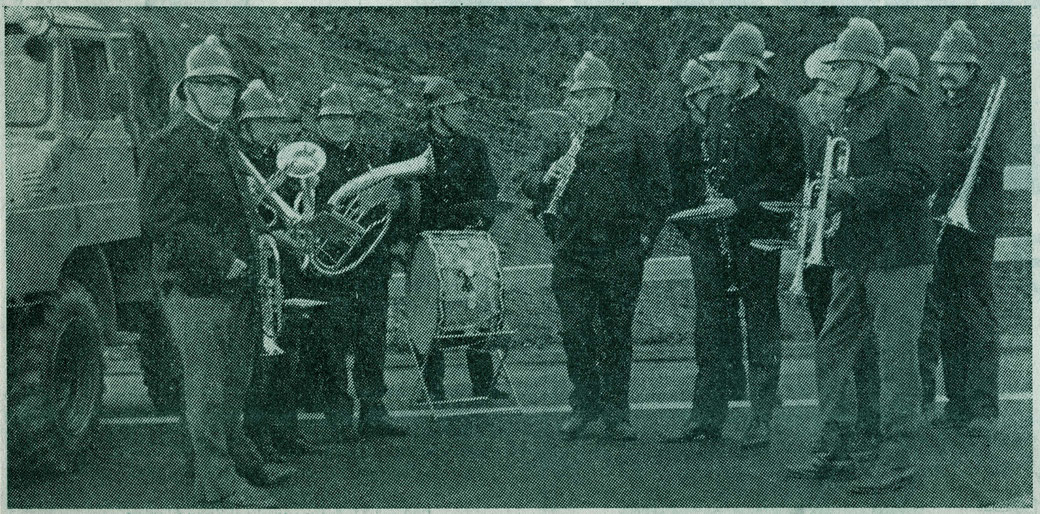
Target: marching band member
[683, 150]
[959, 316]
[818, 112]
[752, 152]
[354, 318]
[462, 175]
[199, 215]
[610, 212]
[882, 251]
[270, 417]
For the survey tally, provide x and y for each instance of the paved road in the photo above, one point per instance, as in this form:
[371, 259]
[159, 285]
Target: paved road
[517, 461]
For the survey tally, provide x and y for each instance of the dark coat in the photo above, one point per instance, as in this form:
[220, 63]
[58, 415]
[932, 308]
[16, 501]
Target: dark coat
[953, 125]
[885, 223]
[619, 191]
[194, 212]
[759, 152]
[462, 175]
[756, 146]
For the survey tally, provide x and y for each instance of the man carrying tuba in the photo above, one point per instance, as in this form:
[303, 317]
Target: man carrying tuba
[959, 318]
[611, 211]
[882, 251]
[354, 316]
[750, 151]
[462, 175]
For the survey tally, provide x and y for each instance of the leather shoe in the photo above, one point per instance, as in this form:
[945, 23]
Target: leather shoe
[979, 427]
[576, 423]
[758, 434]
[435, 396]
[822, 466]
[880, 479]
[380, 426]
[947, 420]
[493, 394]
[247, 496]
[621, 431]
[275, 474]
[293, 446]
[694, 431]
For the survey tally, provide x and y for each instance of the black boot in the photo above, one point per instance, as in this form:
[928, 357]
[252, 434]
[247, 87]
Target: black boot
[374, 421]
[340, 419]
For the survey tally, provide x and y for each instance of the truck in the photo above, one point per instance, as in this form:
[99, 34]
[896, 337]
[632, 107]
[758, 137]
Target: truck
[78, 273]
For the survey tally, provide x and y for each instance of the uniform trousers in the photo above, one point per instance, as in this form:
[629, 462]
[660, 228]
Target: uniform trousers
[596, 292]
[719, 336]
[817, 282]
[884, 305]
[961, 325]
[215, 336]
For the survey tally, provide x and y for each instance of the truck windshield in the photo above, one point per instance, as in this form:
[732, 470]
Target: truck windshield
[27, 84]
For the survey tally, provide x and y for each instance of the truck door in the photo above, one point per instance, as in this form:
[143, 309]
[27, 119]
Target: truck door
[100, 160]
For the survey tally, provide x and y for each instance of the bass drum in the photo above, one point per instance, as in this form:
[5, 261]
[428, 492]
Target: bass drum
[454, 289]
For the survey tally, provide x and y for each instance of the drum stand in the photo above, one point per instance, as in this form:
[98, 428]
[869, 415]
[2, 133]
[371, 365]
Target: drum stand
[455, 344]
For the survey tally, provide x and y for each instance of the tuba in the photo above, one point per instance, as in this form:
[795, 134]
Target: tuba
[338, 239]
[366, 212]
[957, 215]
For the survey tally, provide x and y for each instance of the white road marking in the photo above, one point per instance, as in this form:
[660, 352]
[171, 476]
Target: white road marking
[547, 409]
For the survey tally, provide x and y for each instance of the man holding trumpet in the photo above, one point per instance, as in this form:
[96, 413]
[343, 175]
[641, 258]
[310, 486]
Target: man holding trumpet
[609, 196]
[750, 150]
[882, 250]
[959, 318]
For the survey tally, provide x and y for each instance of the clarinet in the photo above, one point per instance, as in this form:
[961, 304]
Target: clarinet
[712, 184]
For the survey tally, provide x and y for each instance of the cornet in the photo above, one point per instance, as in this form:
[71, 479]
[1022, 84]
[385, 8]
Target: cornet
[835, 164]
[957, 215]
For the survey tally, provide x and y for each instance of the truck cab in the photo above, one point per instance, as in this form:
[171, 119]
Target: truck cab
[77, 269]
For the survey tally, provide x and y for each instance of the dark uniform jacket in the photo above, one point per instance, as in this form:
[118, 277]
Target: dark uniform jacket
[194, 210]
[954, 122]
[619, 190]
[756, 147]
[341, 164]
[885, 223]
[462, 175]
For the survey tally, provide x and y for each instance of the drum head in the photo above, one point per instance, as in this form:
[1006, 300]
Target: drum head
[455, 289]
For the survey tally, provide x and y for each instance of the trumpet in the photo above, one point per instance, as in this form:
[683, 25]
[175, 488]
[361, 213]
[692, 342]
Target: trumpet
[835, 164]
[957, 215]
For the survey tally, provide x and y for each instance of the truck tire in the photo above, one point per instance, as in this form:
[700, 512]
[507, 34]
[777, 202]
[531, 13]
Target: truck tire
[161, 367]
[56, 381]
